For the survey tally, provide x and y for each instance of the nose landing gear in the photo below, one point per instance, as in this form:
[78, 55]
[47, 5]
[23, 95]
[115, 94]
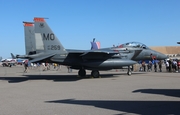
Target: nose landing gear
[129, 71]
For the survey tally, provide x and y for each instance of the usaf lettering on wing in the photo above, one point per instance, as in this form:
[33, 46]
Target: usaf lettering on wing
[48, 36]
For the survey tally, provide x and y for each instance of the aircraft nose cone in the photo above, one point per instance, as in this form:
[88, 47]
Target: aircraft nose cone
[162, 56]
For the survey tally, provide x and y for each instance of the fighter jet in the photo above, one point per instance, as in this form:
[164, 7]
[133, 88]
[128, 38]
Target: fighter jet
[54, 52]
[101, 59]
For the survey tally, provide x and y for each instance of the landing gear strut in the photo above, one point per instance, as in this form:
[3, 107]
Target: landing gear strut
[95, 73]
[82, 72]
[129, 71]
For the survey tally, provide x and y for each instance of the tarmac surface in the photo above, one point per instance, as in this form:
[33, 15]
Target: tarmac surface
[54, 92]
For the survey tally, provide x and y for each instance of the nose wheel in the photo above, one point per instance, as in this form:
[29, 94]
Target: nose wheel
[129, 71]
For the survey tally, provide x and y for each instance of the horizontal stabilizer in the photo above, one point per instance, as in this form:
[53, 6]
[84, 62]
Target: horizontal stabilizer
[41, 58]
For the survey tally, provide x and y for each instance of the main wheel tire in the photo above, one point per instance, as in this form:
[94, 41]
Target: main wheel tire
[82, 73]
[95, 73]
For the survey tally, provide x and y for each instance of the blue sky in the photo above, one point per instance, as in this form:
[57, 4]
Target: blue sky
[77, 22]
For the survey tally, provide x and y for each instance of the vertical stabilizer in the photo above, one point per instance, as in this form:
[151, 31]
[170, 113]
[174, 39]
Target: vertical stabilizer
[43, 33]
[95, 45]
[13, 57]
[29, 38]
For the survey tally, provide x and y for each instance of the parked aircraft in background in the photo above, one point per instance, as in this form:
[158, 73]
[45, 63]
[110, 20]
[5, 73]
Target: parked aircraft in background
[8, 62]
[12, 59]
[18, 61]
[52, 51]
[8, 59]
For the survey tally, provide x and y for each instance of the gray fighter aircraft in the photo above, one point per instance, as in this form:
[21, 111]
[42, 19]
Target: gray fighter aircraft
[52, 51]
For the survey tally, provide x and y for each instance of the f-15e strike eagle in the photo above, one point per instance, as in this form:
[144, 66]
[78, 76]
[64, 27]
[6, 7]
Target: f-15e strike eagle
[42, 45]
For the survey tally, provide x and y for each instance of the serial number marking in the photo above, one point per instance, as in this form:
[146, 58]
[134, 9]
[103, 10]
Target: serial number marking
[53, 47]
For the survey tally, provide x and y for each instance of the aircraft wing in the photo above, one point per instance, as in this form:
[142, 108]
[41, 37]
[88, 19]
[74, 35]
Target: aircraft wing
[104, 52]
[96, 52]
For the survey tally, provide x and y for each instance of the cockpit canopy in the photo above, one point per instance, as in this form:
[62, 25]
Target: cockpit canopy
[134, 45]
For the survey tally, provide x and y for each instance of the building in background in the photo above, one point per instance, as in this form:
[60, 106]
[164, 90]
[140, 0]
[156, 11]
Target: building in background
[170, 51]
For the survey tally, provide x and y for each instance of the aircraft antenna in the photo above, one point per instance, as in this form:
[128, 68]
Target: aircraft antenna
[28, 22]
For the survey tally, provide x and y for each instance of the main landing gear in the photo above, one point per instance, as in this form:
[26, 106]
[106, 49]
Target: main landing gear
[94, 73]
[82, 73]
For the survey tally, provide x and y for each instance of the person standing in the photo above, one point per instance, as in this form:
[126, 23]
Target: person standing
[160, 65]
[178, 65]
[150, 66]
[170, 65]
[144, 66]
[69, 69]
[155, 66]
[25, 66]
[167, 65]
[58, 67]
[175, 65]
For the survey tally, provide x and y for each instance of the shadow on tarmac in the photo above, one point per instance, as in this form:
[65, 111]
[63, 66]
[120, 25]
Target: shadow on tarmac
[41, 77]
[136, 107]
[167, 92]
[55, 78]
